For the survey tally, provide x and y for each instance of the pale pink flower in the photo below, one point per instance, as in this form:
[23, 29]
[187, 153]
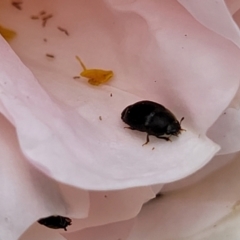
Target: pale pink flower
[184, 55]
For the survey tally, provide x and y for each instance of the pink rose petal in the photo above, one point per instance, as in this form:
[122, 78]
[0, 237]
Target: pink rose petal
[102, 210]
[77, 201]
[55, 135]
[120, 230]
[39, 232]
[207, 210]
[233, 6]
[194, 61]
[215, 164]
[226, 131]
[215, 15]
[193, 211]
[196, 76]
[113, 206]
[26, 194]
[62, 135]
[157, 188]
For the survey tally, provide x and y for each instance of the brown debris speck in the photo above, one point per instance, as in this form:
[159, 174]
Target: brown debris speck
[159, 195]
[45, 40]
[34, 17]
[153, 148]
[63, 30]
[17, 4]
[43, 16]
[45, 19]
[42, 12]
[100, 118]
[76, 77]
[50, 55]
[111, 95]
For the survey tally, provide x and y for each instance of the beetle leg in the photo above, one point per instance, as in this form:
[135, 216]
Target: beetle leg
[147, 140]
[165, 138]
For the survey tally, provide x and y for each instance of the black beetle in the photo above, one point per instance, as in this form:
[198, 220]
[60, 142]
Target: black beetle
[152, 118]
[56, 222]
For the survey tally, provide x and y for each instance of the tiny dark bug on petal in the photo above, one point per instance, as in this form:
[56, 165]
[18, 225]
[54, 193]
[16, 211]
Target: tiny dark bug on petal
[56, 222]
[152, 118]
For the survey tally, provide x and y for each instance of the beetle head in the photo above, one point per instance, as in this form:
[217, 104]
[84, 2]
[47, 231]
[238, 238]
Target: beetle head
[124, 115]
[174, 128]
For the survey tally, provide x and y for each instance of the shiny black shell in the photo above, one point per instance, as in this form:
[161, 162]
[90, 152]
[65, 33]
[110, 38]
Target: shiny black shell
[56, 222]
[152, 118]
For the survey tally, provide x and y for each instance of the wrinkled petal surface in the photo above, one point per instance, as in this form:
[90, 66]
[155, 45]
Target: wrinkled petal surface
[226, 130]
[233, 6]
[26, 194]
[38, 232]
[58, 125]
[120, 230]
[214, 201]
[113, 206]
[206, 199]
[192, 70]
[187, 66]
[77, 201]
[215, 15]
[102, 210]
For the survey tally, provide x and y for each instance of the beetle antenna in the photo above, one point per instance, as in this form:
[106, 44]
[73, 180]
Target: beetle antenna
[180, 124]
[181, 120]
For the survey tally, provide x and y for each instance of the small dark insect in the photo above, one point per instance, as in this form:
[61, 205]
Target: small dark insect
[63, 30]
[56, 222]
[17, 4]
[100, 118]
[152, 118]
[50, 55]
[111, 95]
